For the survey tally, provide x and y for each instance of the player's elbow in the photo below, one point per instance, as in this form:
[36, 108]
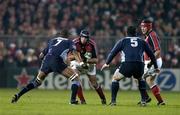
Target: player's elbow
[96, 60]
[41, 55]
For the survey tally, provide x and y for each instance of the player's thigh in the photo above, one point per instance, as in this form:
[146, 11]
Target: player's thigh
[117, 75]
[41, 75]
[126, 69]
[68, 72]
[92, 70]
[138, 70]
[149, 74]
[45, 68]
[91, 73]
[92, 79]
[58, 65]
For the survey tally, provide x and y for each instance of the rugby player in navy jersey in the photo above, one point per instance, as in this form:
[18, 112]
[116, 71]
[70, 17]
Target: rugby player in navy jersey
[87, 50]
[132, 49]
[152, 40]
[54, 58]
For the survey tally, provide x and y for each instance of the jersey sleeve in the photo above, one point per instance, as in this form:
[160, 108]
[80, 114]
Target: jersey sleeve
[149, 52]
[94, 51]
[45, 51]
[117, 48]
[155, 41]
[72, 45]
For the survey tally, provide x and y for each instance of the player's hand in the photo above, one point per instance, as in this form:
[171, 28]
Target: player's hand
[41, 56]
[157, 70]
[84, 65]
[104, 66]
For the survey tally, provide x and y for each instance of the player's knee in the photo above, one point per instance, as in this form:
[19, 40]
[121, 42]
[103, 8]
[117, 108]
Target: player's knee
[116, 78]
[95, 85]
[149, 81]
[41, 76]
[76, 82]
[74, 77]
[37, 82]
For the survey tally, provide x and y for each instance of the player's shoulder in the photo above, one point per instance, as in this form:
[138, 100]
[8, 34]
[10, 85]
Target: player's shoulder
[92, 41]
[128, 38]
[153, 34]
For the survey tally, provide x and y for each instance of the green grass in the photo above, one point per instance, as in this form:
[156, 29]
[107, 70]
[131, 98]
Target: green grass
[56, 102]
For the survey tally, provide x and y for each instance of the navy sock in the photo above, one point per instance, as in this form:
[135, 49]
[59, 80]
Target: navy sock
[30, 86]
[142, 89]
[74, 90]
[114, 90]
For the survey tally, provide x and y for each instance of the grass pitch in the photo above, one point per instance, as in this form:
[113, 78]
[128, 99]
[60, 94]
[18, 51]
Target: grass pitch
[56, 102]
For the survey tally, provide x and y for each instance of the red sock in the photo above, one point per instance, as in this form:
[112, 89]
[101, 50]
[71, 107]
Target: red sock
[100, 92]
[156, 92]
[80, 93]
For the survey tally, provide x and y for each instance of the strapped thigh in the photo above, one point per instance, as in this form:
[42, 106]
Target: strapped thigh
[73, 76]
[117, 75]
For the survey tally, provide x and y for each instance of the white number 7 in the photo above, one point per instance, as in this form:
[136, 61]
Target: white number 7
[58, 42]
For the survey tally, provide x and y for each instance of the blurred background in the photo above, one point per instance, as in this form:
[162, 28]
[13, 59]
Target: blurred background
[26, 25]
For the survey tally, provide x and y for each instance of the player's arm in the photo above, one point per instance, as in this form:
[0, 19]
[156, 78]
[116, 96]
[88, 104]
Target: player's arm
[151, 55]
[77, 56]
[112, 54]
[94, 59]
[156, 46]
[157, 53]
[75, 53]
[44, 52]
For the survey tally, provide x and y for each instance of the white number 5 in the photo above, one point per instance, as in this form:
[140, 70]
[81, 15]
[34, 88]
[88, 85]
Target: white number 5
[134, 42]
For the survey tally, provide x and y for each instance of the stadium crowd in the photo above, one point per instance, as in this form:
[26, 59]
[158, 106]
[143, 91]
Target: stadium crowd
[104, 19]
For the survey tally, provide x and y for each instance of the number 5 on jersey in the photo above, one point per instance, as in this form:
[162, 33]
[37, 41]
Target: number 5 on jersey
[134, 42]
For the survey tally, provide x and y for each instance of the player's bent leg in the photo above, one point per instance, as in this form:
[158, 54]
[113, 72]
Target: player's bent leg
[150, 80]
[97, 87]
[74, 77]
[80, 95]
[34, 84]
[74, 64]
[155, 90]
[115, 86]
[148, 99]
[142, 89]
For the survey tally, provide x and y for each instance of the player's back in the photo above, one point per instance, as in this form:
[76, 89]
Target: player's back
[59, 47]
[132, 49]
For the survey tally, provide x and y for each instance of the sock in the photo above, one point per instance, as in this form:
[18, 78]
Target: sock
[146, 94]
[142, 89]
[114, 90]
[100, 92]
[29, 87]
[156, 92]
[80, 94]
[74, 90]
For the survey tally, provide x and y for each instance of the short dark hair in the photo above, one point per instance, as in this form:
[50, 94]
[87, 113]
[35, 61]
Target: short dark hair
[146, 21]
[63, 33]
[131, 31]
